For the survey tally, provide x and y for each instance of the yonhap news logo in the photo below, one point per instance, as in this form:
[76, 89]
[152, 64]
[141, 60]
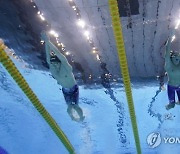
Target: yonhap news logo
[154, 140]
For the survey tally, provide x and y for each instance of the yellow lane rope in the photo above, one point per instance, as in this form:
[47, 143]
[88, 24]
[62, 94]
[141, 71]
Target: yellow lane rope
[116, 24]
[16, 75]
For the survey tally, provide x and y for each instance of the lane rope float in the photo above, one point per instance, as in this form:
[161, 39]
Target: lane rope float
[16, 75]
[116, 24]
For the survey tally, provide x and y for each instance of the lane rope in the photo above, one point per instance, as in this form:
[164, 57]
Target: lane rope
[16, 75]
[117, 29]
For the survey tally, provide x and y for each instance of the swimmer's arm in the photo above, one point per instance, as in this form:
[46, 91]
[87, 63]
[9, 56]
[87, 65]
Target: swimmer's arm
[48, 56]
[168, 48]
[50, 47]
[168, 44]
[60, 56]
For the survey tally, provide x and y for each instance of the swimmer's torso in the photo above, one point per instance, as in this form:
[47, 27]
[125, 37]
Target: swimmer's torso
[173, 73]
[63, 74]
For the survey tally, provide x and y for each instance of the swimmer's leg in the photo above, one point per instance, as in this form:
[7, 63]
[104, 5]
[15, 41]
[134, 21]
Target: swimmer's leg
[171, 94]
[178, 94]
[171, 97]
[71, 95]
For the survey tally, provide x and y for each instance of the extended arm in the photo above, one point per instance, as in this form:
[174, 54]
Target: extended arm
[50, 47]
[168, 44]
[168, 48]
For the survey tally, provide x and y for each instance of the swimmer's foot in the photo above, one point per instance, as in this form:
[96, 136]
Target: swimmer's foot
[170, 105]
